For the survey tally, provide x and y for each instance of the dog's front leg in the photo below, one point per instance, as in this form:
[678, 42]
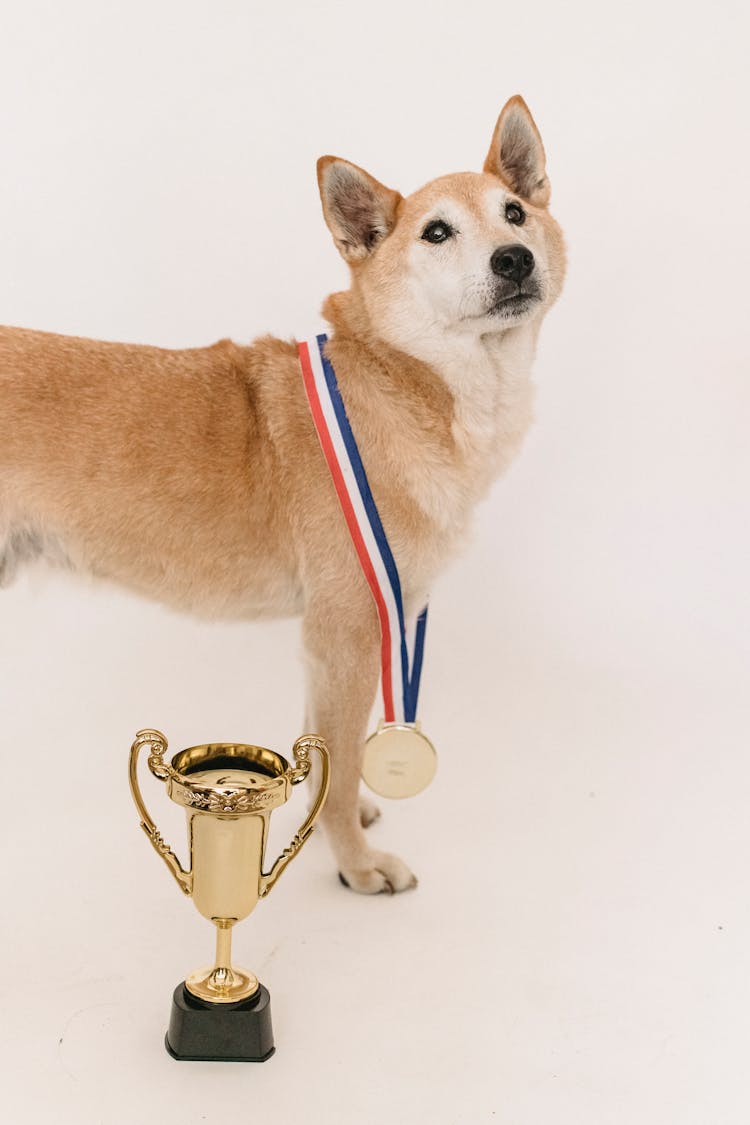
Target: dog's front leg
[343, 668]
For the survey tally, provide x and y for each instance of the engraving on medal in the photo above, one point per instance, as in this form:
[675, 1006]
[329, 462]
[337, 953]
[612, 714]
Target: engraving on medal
[399, 760]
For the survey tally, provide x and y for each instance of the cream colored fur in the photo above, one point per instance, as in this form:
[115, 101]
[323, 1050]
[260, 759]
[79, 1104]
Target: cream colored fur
[196, 476]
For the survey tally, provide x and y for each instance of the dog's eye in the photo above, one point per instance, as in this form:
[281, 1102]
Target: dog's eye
[514, 213]
[437, 231]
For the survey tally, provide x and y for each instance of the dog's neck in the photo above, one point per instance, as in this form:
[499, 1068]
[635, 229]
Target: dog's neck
[487, 378]
[457, 407]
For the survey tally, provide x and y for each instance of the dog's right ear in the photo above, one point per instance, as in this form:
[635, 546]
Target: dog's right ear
[359, 211]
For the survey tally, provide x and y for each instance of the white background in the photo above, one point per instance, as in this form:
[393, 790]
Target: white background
[576, 952]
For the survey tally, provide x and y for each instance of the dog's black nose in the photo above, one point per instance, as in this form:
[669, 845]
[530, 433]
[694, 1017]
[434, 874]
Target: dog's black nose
[514, 262]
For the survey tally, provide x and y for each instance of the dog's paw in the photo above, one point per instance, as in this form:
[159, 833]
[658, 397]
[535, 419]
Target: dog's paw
[368, 811]
[384, 874]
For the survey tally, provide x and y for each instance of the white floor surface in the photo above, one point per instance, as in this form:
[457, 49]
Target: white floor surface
[576, 950]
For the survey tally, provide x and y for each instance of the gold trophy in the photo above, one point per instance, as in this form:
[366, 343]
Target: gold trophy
[228, 791]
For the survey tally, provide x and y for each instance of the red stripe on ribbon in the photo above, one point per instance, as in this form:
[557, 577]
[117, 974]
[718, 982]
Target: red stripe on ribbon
[360, 547]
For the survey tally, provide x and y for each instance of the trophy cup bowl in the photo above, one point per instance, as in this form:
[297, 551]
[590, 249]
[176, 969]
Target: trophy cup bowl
[228, 791]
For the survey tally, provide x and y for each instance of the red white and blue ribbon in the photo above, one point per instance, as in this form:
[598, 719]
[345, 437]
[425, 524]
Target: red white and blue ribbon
[402, 649]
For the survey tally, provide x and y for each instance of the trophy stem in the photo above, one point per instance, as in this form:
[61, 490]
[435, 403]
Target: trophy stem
[222, 984]
[222, 976]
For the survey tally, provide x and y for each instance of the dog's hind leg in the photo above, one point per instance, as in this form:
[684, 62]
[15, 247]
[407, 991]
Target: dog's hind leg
[368, 811]
[22, 543]
[17, 547]
[343, 666]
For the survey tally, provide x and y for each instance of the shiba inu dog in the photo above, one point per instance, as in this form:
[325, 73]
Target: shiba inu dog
[196, 477]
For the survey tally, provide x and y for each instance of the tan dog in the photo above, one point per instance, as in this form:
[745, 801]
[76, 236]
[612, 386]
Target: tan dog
[196, 476]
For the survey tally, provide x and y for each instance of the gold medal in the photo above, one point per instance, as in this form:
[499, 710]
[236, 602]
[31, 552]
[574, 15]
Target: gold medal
[399, 760]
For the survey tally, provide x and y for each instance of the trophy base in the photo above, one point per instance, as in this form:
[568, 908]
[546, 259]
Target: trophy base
[201, 1031]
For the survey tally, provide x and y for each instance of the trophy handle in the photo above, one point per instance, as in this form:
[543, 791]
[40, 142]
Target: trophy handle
[157, 743]
[301, 751]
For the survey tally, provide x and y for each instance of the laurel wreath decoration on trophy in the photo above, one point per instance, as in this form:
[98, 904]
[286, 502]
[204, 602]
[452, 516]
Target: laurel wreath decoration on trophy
[226, 802]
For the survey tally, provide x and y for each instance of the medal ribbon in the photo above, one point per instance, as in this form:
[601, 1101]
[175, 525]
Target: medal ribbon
[400, 654]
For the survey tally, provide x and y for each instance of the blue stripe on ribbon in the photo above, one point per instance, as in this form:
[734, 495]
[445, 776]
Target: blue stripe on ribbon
[410, 712]
[410, 683]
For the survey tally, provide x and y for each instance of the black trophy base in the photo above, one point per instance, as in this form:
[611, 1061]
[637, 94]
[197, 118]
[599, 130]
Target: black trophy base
[200, 1031]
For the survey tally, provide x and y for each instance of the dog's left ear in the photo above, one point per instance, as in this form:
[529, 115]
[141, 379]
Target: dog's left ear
[359, 211]
[517, 154]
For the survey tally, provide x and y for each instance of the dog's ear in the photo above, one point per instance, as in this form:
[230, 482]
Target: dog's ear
[359, 211]
[517, 154]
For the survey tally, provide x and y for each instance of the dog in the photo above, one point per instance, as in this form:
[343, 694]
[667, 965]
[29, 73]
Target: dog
[196, 476]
